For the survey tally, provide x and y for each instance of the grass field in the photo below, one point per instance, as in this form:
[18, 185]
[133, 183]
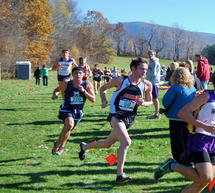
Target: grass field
[29, 125]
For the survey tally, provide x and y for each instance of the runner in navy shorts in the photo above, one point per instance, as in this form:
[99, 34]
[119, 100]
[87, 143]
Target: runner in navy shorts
[71, 110]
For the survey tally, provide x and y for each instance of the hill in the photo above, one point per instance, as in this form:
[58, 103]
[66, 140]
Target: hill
[170, 42]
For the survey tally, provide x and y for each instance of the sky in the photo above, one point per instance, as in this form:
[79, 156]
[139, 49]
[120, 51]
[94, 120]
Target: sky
[192, 15]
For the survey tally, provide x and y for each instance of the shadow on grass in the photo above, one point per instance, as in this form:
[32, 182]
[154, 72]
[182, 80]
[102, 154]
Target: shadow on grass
[38, 123]
[14, 160]
[86, 136]
[38, 177]
[17, 109]
[99, 164]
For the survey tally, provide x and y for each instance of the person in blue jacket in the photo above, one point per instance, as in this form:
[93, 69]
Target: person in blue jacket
[181, 93]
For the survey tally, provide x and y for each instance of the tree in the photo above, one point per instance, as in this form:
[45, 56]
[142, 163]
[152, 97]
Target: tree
[106, 53]
[117, 34]
[38, 28]
[209, 53]
[177, 35]
[93, 40]
[66, 21]
[6, 41]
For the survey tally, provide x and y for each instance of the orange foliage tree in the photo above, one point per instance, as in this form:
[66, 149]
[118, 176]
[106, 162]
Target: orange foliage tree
[92, 36]
[38, 28]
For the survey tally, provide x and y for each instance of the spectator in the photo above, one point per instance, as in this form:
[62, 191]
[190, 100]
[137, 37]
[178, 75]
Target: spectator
[44, 74]
[189, 66]
[173, 66]
[153, 75]
[37, 76]
[203, 70]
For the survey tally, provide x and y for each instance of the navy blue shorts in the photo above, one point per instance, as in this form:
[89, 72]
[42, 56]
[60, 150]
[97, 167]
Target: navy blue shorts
[61, 78]
[76, 115]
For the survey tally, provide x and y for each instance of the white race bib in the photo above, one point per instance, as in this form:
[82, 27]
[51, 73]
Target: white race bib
[127, 105]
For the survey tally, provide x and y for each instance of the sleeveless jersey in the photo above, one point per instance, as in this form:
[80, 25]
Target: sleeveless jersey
[205, 114]
[65, 68]
[96, 73]
[74, 99]
[85, 72]
[123, 101]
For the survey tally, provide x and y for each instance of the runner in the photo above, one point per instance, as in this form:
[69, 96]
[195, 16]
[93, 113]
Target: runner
[123, 110]
[64, 66]
[71, 110]
[97, 73]
[83, 64]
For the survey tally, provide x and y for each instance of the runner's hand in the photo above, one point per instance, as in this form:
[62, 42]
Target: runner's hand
[210, 129]
[139, 101]
[54, 96]
[81, 88]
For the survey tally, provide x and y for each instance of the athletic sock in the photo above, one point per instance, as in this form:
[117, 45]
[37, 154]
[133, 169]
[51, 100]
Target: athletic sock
[173, 166]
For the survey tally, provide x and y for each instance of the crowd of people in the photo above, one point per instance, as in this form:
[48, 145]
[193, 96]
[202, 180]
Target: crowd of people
[191, 117]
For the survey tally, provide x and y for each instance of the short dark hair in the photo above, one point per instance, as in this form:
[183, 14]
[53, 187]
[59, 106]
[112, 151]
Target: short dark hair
[77, 69]
[198, 55]
[136, 62]
[80, 58]
[63, 51]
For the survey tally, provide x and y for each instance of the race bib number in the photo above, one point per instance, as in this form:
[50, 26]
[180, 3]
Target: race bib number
[76, 100]
[64, 71]
[127, 105]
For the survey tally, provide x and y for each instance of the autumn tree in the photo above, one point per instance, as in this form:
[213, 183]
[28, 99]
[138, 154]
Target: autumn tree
[93, 40]
[66, 21]
[38, 28]
[118, 34]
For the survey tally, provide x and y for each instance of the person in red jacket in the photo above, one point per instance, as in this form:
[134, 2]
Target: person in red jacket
[203, 70]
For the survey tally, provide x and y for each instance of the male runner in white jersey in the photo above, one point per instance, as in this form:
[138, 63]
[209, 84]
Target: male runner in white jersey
[123, 110]
[64, 67]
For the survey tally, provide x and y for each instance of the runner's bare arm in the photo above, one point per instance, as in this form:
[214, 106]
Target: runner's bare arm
[89, 72]
[74, 64]
[89, 93]
[186, 113]
[56, 65]
[148, 94]
[116, 82]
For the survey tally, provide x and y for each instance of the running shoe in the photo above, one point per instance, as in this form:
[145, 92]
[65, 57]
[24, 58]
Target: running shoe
[164, 168]
[82, 153]
[122, 178]
[59, 151]
[154, 116]
[55, 148]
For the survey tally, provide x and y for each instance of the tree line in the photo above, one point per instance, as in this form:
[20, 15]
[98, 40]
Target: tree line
[37, 31]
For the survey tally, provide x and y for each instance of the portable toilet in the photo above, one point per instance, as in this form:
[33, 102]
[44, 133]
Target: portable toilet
[23, 70]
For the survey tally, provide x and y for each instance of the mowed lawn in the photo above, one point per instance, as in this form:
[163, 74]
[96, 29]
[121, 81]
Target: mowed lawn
[29, 126]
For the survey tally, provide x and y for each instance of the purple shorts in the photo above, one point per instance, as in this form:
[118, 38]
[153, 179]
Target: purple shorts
[61, 78]
[155, 91]
[201, 143]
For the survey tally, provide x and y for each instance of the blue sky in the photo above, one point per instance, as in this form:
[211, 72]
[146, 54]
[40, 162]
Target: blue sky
[192, 15]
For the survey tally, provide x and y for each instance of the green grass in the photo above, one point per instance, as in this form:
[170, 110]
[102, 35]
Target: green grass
[29, 125]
